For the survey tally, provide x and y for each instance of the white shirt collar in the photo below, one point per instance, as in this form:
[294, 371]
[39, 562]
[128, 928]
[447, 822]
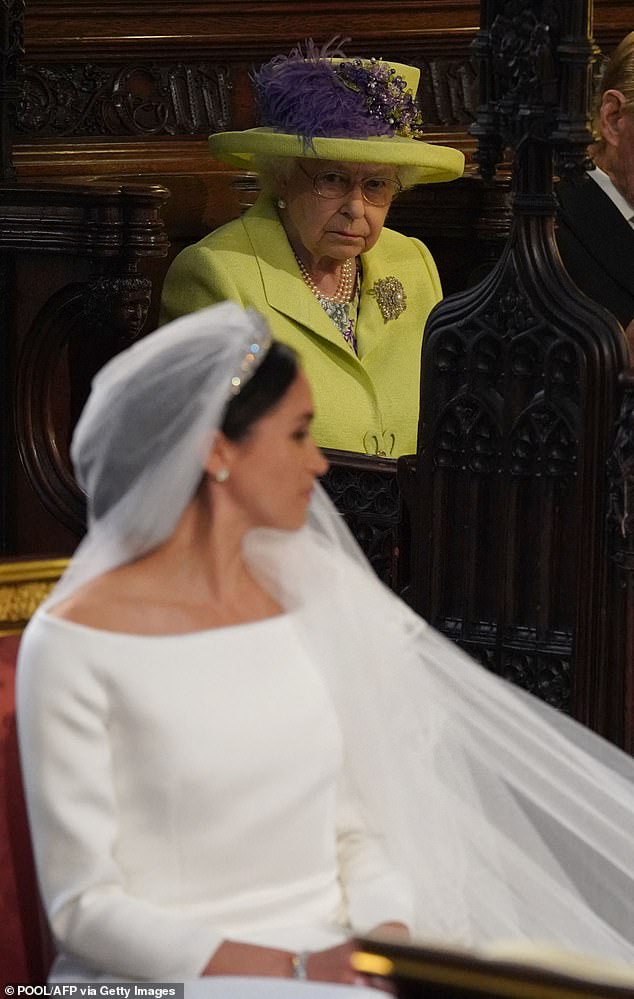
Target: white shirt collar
[606, 185]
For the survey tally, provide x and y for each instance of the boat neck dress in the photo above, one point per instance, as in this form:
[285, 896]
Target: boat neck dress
[189, 788]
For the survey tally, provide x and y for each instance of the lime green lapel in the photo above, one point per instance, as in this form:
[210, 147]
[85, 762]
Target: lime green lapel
[284, 286]
[371, 326]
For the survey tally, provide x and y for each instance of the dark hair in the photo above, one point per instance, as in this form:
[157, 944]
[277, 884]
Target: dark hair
[262, 392]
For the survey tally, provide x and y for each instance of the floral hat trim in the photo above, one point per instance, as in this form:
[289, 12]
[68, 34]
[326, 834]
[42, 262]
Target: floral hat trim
[319, 93]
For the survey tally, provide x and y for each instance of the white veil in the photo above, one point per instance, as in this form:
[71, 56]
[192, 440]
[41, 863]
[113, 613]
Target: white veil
[512, 821]
[139, 446]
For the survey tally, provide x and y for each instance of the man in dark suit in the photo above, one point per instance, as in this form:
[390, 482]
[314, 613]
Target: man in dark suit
[596, 217]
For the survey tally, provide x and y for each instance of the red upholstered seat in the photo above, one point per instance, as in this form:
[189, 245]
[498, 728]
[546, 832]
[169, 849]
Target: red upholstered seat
[25, 951]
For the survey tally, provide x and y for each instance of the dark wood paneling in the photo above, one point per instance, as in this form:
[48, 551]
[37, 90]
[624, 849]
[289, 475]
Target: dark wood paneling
[521, 541]
[72, 259]
[139, 72]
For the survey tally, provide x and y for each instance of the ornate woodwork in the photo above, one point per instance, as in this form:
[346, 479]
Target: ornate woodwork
[88, 99]
[508, 496]
[190, 98]
[620, 581]
[78, 329]
[73, 255]
[11, 52]
[365, 491]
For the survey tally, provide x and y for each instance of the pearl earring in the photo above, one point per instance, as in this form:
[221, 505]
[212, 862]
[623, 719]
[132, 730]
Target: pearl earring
[222, 475]
[281, 203]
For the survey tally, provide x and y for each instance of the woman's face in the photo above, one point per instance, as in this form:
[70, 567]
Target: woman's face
[272, 471]
[332, 228]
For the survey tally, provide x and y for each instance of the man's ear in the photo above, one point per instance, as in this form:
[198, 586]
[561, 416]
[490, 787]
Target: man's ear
[610, 116]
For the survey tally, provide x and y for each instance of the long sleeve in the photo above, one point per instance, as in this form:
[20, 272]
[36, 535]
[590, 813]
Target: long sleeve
[374, 891]
[201, 276]
[65, 747]
[176, 799]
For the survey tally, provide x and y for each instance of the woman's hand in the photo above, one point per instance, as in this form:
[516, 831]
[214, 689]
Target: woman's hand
[394, 931]
[329, 965]
[232, 958]
[332, 965]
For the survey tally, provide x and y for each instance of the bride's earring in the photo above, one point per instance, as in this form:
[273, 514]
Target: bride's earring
[281, 203]
[221, 475]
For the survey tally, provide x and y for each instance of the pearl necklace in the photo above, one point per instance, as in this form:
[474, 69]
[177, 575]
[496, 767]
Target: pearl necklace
[345, 287]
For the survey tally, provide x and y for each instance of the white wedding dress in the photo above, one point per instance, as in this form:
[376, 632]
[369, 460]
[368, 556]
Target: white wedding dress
[191, 790]
[183, 788]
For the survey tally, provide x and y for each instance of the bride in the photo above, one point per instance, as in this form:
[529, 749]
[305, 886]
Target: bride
[240, 750]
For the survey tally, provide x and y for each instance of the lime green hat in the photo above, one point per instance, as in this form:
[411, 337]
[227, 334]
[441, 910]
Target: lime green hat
[315, 103]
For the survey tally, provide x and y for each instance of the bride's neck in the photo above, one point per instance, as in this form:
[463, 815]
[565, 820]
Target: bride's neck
[204, 552]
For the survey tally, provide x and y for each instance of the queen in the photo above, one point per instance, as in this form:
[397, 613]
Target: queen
[340, 139]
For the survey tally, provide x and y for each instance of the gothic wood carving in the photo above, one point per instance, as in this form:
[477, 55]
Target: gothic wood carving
[448, 92]
[536, 62]
[365, 491]
[519, 396]
[142, 99]
[11, 52]
[621, 535]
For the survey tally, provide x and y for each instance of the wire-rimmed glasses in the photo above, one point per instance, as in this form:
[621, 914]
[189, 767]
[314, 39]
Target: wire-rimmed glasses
[333, 184]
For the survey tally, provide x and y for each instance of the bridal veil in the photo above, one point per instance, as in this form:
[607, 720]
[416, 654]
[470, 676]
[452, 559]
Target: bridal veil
[512, 821]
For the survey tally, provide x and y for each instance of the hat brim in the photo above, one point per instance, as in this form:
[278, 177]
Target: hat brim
[429, 163]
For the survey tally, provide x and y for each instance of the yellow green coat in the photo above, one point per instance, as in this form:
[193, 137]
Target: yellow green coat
[366, 403]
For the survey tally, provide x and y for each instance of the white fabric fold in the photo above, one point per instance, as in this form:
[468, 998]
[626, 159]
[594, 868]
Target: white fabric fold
[511, 820]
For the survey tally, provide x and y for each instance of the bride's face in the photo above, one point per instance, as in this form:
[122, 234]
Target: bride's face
[272, 471]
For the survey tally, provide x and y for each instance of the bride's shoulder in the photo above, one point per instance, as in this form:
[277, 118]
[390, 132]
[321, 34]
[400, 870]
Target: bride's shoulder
[104, 602]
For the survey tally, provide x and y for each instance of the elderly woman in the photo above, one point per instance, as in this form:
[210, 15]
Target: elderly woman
[340, 141]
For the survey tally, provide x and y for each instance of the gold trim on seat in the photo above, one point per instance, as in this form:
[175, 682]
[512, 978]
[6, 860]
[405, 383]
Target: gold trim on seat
[24, 583]
[435, 972]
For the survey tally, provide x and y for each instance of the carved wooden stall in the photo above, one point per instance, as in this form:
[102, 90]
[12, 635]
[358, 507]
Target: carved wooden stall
[72, 293]
[70, 257]
[519, 496]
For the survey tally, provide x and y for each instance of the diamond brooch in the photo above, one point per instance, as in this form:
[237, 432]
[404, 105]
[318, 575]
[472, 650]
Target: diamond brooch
[390, 296]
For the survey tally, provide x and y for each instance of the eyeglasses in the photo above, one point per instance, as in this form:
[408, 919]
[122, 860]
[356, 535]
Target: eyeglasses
[379, 191]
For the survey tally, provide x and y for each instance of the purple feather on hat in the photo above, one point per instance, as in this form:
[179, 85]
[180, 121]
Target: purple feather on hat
[305, 94]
